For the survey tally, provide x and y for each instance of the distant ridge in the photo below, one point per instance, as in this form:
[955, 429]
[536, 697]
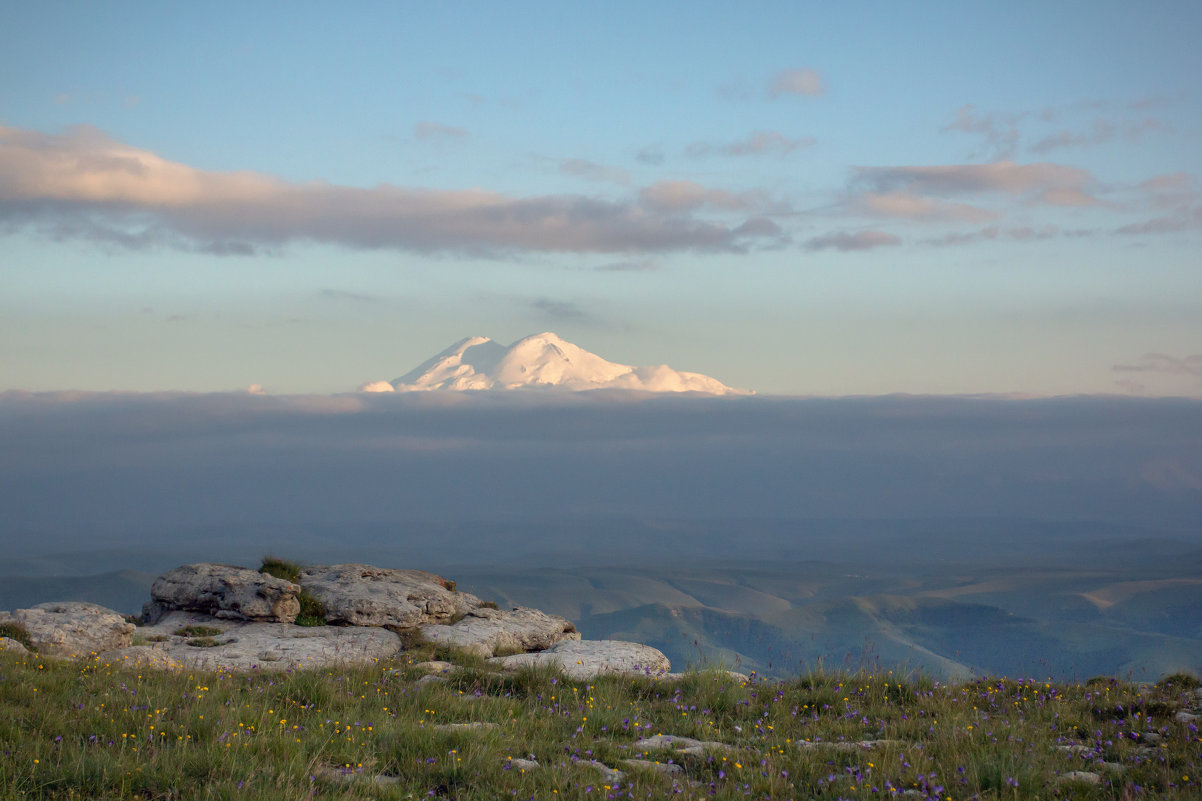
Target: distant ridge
[540, 361]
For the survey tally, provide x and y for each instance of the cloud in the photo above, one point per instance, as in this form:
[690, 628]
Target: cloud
[562, 310]
[634, 265]
[1042, 182]
[1002, 135]
[1165, 364]
[906, 205]
[651, 154]
[1000, 130]
[591, 171]
[82, 184]
[853, 240]
[234, 462]
[343, 295]
[759, 143]
[377, 386]
[426, 130]
[796, 82]
[1185, 218]
[676, 196]
[1022, 233]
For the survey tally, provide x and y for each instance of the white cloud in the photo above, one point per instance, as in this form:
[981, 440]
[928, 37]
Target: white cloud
[796, 82]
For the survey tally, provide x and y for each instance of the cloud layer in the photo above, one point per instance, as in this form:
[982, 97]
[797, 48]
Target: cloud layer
[84, 184]
[130, 461]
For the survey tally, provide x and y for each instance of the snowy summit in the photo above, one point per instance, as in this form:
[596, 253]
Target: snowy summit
[542, 361]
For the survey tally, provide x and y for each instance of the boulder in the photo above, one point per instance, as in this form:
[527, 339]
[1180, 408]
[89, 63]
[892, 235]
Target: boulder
[72, 628]
[362, 595]
[586, 659]
[237, 645]
[490, 631]
[9, 644]
[223, 591]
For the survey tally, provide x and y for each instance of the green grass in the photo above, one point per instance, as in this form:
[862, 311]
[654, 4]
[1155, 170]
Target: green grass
[196, 631]
[76, 730]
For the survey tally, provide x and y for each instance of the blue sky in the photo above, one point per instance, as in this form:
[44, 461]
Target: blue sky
[795, 198]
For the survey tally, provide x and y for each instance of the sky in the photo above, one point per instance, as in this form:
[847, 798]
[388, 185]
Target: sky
[797, 198]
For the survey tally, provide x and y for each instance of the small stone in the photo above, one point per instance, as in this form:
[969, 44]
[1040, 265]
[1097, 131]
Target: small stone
[436, 667]
[1084, 776]
[522, 764]
[658, 767]
[608, 775]
[1185, 717]
[473, 726]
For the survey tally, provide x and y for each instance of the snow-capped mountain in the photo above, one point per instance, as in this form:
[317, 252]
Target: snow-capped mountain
[543, 361]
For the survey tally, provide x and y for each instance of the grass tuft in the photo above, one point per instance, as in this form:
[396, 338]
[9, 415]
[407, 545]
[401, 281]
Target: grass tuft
[15, 631]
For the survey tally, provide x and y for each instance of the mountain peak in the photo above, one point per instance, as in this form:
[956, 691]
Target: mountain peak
[542, 361]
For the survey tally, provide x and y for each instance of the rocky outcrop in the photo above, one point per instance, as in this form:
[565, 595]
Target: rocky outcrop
[491, 631]
[225, 592]
[585, 659]
[211, 616]
[205, 642]
[9, 644]
[72, 629]
[362, 595]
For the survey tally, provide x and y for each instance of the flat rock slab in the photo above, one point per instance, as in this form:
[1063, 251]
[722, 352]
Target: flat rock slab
[586, 659]
[488, 631]
[362, 595]
[224, 591]
[72, 629]
[269, 646]
[681, 745]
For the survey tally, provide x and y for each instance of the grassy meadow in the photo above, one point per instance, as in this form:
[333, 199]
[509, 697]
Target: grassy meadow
[93, 730]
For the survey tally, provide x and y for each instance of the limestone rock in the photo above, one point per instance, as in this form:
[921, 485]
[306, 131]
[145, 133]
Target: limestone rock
[658, 767]
[224, 591]
[475, 725]
[585, 659]
[269, 646]
[489, 631]
[141, 656]
[684, 745]
[608, 775]
[362, 595]
[436, 667]
[522, 764]
[72, 628]
[1086, 776]
[9, 644]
